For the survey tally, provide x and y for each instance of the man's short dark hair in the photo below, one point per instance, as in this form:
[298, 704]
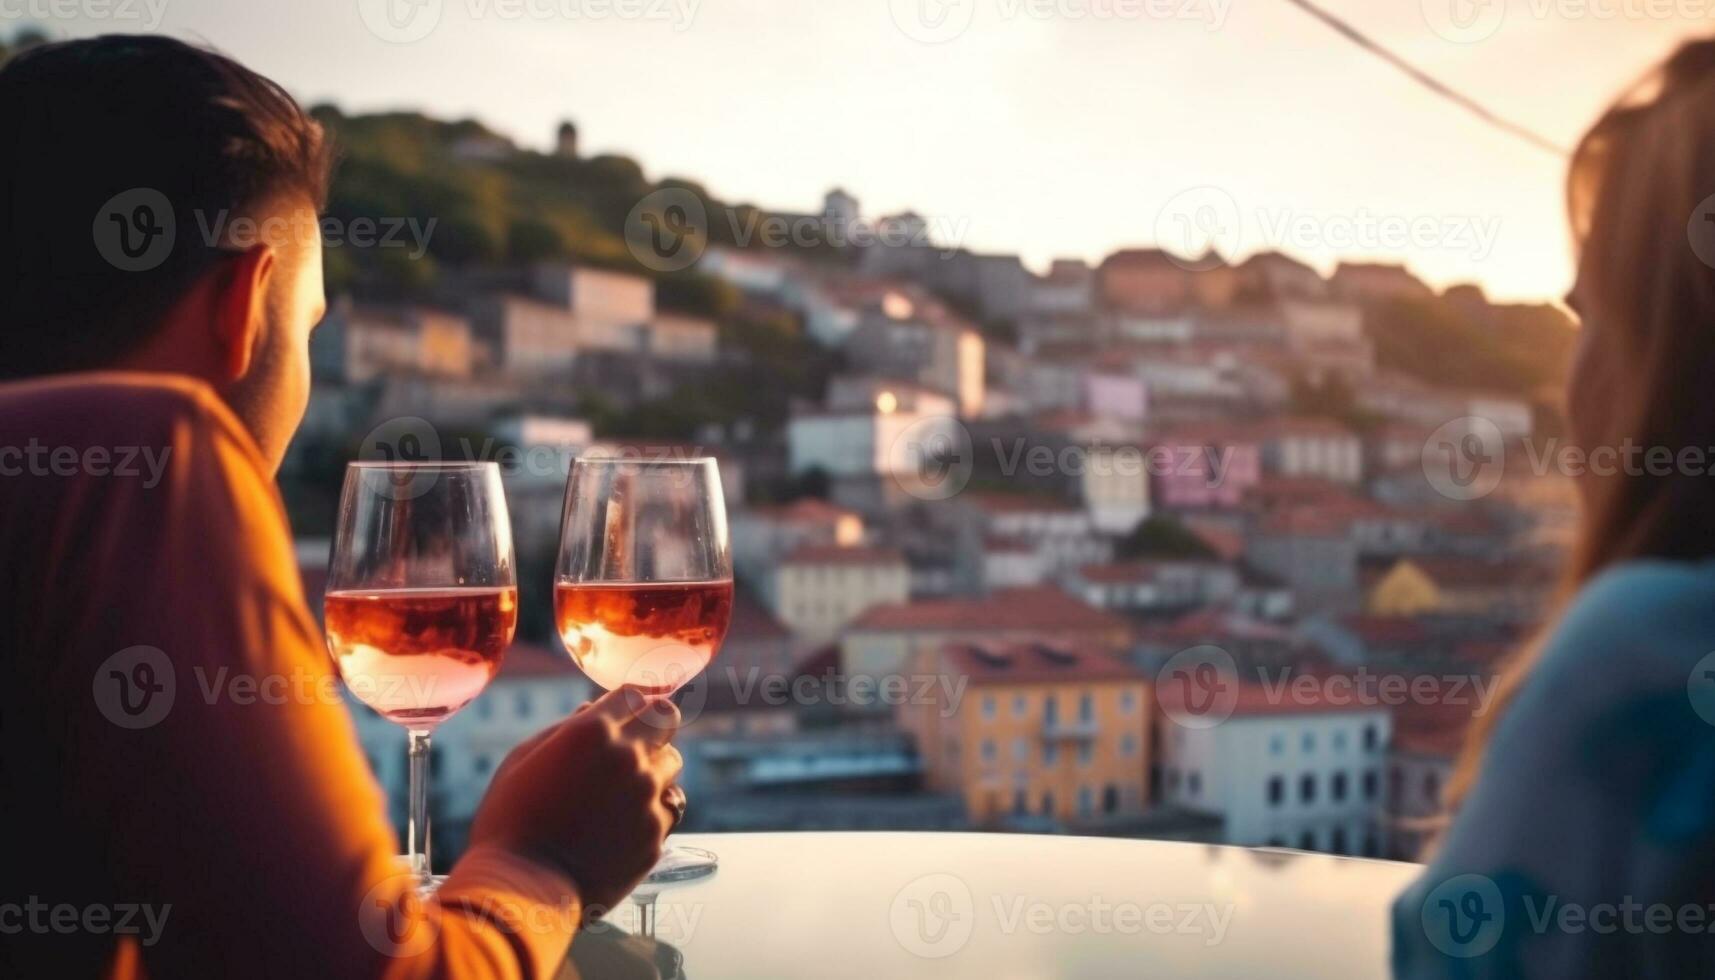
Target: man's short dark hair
[97, 137]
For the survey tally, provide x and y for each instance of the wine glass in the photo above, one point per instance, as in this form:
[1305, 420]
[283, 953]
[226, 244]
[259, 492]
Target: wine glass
[422, 601]
[643, 587]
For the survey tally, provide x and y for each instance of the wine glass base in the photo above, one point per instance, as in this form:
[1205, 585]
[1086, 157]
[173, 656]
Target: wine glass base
[680, 864]
[430, 885]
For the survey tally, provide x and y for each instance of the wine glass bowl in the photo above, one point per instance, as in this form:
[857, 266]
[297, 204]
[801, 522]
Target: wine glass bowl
[655, 637]
[643, 588]
[422, 601]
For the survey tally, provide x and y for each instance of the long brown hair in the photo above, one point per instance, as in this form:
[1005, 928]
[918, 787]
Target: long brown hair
[1636, 194]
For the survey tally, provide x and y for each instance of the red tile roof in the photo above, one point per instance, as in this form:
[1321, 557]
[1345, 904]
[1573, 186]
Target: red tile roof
[1435, 728]
[1035, 663]
[1462, 572]
[1222, 538]
[752, 622]
[1305, 522]
[1255, 700]
[1034, 609]
[1386, 629]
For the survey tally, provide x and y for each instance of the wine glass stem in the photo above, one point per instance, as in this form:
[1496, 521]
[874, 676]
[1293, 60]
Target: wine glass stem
[417, 819]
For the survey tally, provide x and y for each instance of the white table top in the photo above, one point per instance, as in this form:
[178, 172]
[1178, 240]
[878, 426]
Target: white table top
[892, 905]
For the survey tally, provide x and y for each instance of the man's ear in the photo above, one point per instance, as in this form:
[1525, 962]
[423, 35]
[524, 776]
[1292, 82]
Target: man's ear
[240, 306]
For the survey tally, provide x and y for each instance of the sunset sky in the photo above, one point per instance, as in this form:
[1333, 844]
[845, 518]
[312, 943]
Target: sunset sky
[1031, 131]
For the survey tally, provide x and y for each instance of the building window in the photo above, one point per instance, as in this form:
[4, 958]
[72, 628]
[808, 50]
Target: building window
[521, 704]
[1370, 785]
[1048, 803]
[1194, 783]
[1338, 843]
[988, 707]
[1020, 706]
[1371, 847]
[1276, 790]
[1370, 738]
[1020, 750]
[1020, 803]
[1339, 741]
[1051, 709]
[1308, 742]
[1432, 788]
[1307, 841]
[1128, 702]
[1338, 790]
[1307, 788]
[1111, 799]
[1173, 780]
[1128, 745]
[482, 765]
[1086, 754]
[1276, 744]
[1050, 754]
[988, 750]
[1086, 707]
[1086, 801]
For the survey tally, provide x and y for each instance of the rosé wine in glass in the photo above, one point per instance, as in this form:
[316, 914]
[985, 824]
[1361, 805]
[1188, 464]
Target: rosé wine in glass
[418, 655]
[655, 637]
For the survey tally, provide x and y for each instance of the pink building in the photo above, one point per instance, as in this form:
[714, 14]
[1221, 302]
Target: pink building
[1112, 395]
[1205, 467]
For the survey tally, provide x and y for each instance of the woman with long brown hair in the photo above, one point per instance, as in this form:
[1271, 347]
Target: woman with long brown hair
[1583, 839]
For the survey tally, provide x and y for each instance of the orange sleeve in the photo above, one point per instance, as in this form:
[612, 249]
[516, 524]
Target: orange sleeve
[237, 801]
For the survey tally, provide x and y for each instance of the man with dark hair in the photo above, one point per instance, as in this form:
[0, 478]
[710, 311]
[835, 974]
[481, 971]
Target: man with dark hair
[124, 163]
[160, 274]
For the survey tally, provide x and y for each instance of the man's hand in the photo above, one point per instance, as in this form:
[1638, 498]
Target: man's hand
[585, 796]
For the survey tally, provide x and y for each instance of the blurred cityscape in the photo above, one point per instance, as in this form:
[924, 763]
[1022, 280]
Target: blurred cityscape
[1172, 545]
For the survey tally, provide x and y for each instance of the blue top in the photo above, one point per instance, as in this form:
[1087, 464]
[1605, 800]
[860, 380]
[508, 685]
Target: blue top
[1587, 847]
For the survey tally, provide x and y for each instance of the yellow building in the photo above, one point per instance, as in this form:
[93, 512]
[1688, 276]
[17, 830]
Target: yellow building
[1404, 590]
[1032, 731]
[1458, 585]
